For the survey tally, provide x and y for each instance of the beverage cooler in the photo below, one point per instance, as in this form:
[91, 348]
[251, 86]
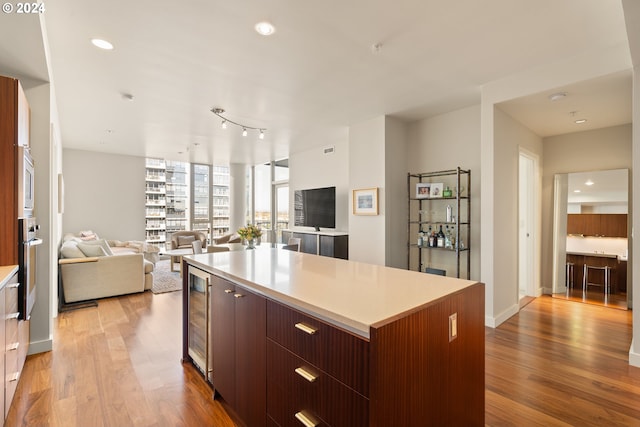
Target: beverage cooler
[199, 321]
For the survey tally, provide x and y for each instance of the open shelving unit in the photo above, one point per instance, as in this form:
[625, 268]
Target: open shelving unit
[430, 211]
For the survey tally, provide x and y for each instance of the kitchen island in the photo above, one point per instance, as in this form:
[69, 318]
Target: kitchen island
[290, 339]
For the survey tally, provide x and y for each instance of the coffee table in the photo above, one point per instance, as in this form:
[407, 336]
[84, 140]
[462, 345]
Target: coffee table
[178, 253]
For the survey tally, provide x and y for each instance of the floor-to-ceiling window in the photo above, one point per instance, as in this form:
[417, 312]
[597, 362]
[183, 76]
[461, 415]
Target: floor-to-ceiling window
[220, 201]
[177, 197]
[280, 186]
[271, 198]
[183, 196]
[200, 195]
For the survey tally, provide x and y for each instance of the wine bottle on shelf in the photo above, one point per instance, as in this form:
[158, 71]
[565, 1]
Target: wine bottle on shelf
[432, 238]
[449, 213]
[447, 238]
[420, 239]
[440, 238]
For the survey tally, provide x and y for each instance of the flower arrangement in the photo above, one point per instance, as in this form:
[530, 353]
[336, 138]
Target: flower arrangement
[249, 232]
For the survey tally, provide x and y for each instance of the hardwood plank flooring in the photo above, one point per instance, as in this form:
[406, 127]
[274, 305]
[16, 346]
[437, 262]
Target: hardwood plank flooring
[116, 365]
[556, 363]
[561, 363]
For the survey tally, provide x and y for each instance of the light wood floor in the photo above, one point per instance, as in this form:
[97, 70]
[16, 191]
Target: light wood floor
[557, 363]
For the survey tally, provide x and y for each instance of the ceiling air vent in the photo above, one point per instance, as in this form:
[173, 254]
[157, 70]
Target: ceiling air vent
[328, 150]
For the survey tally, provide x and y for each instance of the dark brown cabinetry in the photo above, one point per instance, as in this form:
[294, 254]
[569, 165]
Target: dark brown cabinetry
[326, 244]
[314, 371]
[276, 365]
[14, 131]
[602, 225]
[238, 345]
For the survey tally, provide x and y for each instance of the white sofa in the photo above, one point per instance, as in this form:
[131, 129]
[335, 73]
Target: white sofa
[91, 270]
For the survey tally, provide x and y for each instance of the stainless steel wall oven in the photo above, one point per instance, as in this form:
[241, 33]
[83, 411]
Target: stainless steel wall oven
[28, 241]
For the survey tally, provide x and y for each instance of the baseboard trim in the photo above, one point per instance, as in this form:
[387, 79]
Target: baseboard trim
[40, 346]
[494, 322]
[634, 355]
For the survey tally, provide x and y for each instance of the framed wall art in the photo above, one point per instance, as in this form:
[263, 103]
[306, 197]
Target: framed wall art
[365, 201]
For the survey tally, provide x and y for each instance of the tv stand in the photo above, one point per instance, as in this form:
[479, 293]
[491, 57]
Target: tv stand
[333, 244]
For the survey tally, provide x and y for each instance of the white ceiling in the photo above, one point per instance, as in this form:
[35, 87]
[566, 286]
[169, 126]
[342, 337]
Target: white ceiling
[310, 80]
[608, 187]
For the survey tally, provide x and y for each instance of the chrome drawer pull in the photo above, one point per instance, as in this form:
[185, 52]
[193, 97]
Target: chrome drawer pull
[14, 346]
[13, 285]
[228, 291]
[306, 421]
[13, 316]
[306, 328]
[16, 375]
[306, 374]
[238, 295]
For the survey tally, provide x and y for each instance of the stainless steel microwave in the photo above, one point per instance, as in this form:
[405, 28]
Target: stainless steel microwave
[26, 183]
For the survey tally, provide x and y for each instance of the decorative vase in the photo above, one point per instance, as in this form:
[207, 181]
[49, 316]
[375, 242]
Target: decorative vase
[251, 243]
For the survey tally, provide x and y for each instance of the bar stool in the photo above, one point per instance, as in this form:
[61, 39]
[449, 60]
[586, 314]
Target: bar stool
[607, 278]
[570, 276]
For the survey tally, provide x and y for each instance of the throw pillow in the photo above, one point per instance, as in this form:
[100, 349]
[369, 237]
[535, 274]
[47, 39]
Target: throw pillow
[91, 250]
[103, 243]
[70, 250]
[185, 240]
[88, 235]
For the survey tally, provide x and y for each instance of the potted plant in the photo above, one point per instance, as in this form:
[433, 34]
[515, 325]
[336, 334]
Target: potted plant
[250, 233]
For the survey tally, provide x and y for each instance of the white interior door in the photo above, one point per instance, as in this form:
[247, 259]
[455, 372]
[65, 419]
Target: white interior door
[526, 225]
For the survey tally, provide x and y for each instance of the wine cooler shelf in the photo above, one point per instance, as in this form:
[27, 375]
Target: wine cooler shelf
[439, 218]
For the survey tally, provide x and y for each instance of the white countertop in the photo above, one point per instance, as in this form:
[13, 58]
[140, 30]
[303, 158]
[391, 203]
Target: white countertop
[6, 272]
[351, 295]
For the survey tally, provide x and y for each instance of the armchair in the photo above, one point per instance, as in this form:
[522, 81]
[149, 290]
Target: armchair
[183, 239]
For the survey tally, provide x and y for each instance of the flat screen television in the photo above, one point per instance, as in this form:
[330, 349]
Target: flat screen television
[315, 208]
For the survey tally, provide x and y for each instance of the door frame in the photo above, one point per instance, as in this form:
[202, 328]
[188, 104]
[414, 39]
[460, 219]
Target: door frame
[529, 254]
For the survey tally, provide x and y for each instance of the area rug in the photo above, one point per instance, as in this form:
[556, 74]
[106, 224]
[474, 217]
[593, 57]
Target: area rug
[165, 280]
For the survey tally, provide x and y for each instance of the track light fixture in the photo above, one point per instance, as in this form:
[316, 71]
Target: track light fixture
[219, 111]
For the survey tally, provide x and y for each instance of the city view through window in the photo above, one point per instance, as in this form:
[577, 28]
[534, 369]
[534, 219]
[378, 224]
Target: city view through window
[184, 196]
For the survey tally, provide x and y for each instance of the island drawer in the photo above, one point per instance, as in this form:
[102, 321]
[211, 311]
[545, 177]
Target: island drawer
[339, 353]
[282, 408]
[311, 389]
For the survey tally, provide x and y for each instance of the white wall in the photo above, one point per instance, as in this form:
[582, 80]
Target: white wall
[632, 18]
[601, 149]
[577, 68]
[314, 169]
[395, 202]
[509, 137]
[367, 233]
[104, 193]
[41, 325]
[445, 142]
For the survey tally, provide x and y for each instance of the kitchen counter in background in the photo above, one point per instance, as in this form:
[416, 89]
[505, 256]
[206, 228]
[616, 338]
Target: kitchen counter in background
[617, 264]
[598, 246]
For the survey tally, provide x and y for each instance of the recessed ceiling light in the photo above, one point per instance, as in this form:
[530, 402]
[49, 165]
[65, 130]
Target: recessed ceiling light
[589, 182]
[581, 121]
[265, 28]
[557, 96]
[102, 44]
[576, 191]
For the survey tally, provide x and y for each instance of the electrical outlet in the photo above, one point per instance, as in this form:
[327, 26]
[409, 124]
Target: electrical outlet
[453, 326]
